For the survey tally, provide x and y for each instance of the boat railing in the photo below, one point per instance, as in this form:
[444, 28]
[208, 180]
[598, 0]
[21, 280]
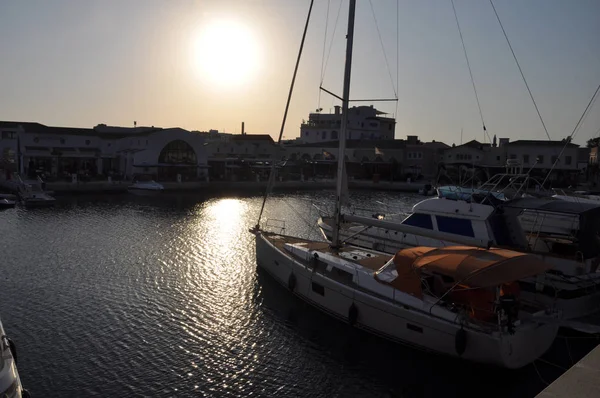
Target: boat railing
[275, 225]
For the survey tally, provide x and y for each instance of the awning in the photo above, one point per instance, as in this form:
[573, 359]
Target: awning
[472, 266]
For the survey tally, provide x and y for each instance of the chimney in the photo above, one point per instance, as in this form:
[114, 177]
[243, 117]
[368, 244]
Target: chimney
[243, 133]
[337, 109]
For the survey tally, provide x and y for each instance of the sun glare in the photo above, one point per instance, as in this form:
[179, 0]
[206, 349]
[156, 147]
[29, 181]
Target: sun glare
[226, 53]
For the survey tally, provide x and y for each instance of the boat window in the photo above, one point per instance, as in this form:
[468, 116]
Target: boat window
[318, 289]
[419, 220]
[456, 226]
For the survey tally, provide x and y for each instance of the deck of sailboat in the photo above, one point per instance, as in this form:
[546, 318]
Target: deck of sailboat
[375, 261]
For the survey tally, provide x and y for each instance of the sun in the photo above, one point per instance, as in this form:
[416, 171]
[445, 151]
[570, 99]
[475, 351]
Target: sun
[226, 53]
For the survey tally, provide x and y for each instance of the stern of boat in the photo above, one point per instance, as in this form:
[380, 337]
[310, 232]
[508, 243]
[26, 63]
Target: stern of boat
[530, 342]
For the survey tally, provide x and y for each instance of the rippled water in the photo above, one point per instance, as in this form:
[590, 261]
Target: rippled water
[160, 296]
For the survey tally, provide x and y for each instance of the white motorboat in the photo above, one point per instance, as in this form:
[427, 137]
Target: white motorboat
[145, 187]
[32, 194]
[10, 382]
[458, 301]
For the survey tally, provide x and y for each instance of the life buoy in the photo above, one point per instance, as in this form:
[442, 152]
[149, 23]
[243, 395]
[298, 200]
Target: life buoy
[352, 314]
[13, 349]
[460, 341]
[292, 282]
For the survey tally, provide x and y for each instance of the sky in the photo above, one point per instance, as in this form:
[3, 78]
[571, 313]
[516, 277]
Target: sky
[211, 64]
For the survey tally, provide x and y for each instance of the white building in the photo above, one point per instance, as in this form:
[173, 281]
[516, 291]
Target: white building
[60, 152]
[364, 123]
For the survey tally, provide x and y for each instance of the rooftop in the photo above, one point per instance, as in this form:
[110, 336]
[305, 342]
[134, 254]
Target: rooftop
[252, 137]
[542, 143]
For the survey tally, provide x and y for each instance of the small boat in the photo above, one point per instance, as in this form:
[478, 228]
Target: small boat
[32, 194]
[145, 187]
[10, 382]
[7, 203]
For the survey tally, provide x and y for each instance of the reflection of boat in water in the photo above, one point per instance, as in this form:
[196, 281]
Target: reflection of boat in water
[145, 187]
[10, 382]
[459, 301]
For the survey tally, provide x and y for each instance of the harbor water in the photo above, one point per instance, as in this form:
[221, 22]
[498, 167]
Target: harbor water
[120, 295]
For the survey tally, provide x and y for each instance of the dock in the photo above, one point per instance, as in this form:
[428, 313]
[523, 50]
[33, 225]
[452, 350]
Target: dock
[582, 380]
[231, 187]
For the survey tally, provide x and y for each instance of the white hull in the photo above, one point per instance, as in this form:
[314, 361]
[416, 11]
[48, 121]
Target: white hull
[389, 319]
[38, 200]
[10, 382]
[144, 192]
[145, 188]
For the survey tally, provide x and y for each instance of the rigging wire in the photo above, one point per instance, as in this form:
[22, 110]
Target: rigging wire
[570, 137]
[324, 47]
[337, 18]
[485, 132]
[521, 71]
[397, 58]
[287, 107]
[539, 374]
[387, 64]
[585, 112]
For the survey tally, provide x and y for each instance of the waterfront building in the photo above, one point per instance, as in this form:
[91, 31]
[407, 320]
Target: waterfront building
[539, 156]
[371, 159]
[102, 151]
[235, 157]
[364, 123]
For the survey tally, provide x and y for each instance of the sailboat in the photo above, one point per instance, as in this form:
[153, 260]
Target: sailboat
[460, 301]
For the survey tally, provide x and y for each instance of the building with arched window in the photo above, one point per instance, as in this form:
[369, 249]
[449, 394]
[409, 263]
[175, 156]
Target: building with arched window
[57, 153]
[170, 155]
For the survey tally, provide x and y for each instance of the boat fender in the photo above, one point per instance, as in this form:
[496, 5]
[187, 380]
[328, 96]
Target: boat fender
[292, 282]
[315, 260]
[13, 349]
[352, 314]
[460, 341]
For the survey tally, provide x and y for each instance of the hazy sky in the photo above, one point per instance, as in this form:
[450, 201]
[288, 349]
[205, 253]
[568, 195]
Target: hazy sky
[80, 63]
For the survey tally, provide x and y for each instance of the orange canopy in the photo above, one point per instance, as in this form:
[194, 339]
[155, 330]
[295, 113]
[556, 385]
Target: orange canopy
[473, 266]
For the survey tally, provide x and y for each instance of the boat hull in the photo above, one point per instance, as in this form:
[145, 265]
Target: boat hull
[397, 322]
[10, 382]
[144, 191]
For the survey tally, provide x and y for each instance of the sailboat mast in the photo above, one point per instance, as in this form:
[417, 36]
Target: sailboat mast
[344, 127]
